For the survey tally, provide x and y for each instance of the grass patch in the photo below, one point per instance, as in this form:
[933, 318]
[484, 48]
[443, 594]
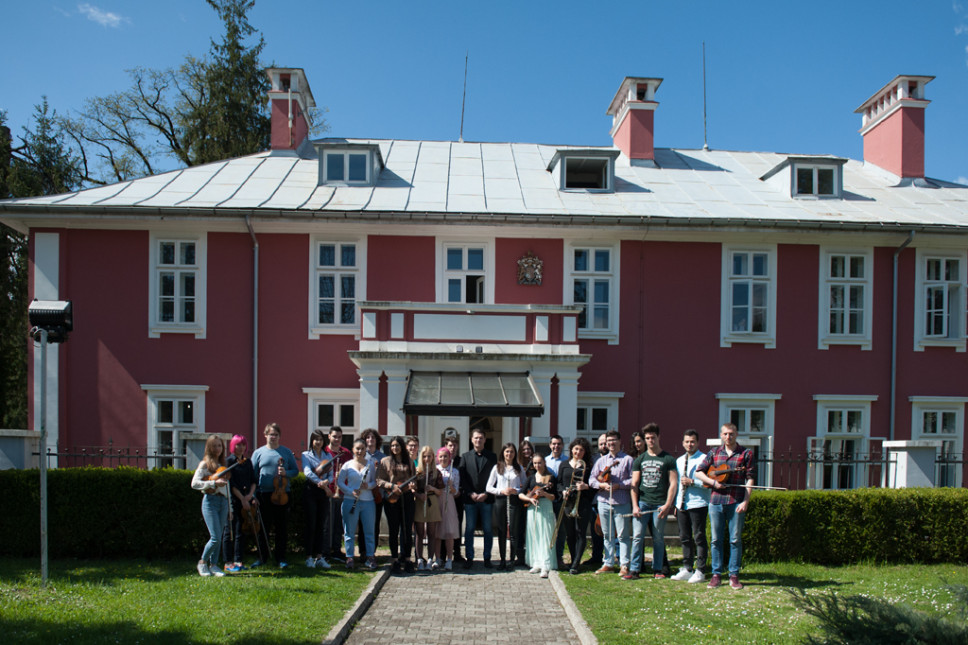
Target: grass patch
[664, 611]
[158, 602]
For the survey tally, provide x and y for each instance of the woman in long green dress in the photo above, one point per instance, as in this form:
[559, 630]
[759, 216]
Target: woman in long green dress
[540, 495]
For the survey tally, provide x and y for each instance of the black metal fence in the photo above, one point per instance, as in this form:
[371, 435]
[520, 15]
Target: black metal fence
[847, 470]
[111, 456]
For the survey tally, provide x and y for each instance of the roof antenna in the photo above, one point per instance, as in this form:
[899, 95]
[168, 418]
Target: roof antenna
[463, 99]
[705, 144]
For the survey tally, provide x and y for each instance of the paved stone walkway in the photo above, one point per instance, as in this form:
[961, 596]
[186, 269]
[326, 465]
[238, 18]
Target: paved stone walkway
[465, 606]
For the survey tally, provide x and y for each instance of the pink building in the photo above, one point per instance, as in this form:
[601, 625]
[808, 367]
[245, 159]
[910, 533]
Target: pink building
[816, 301]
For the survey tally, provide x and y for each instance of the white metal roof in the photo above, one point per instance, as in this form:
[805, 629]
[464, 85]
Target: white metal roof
[512, 178]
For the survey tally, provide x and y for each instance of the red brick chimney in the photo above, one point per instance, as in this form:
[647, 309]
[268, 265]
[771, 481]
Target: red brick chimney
[633, 117]
[893, 126]
[290, 99]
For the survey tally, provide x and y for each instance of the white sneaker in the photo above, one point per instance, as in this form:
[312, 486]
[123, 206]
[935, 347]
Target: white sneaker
[311, 562]
[697, 576]
[435, 565]
[544, 573]
[321, 563]
[535, 570]
[203, 569]
[449, 566]
[682, 575]
[421, 565]
[218, 573]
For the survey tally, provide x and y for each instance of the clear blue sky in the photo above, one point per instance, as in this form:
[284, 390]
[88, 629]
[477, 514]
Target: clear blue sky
[780, 76]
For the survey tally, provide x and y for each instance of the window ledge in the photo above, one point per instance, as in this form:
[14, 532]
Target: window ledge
[610, 336]
[957, 343]
[335, 330]
[768, 342]
[864, 343]
[155, 331]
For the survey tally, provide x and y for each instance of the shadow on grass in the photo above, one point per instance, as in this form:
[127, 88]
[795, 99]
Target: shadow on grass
[38, 632]
[768, 579]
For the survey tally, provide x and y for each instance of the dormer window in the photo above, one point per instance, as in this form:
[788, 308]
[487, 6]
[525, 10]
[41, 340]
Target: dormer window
[816, 177]
[818, 181]
[349, 164]
[584, 170]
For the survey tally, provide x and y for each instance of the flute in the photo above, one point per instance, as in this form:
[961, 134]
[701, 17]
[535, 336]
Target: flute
[363, 475]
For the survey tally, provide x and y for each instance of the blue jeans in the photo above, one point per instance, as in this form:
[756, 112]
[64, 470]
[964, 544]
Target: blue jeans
[365, 512]
[215, 512]
[723, 517]
[639, 528]
[614, 526]
[478, 513]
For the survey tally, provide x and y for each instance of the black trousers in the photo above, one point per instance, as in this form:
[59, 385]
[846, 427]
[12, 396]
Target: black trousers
[317, 516]
[692, 535]
[333, 543]
[276, 518]
[576, 532]
[400, 521]
[502, 523]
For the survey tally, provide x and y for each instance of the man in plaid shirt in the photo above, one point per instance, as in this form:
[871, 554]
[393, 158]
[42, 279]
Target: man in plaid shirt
[729, 501]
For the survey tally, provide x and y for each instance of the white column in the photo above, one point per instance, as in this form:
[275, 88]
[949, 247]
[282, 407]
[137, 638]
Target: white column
[568, 405]
[369, 397]
[541, 426]
[47, 287]
[396, 390]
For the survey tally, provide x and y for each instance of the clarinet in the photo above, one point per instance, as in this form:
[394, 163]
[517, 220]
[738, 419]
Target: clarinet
[363, 476]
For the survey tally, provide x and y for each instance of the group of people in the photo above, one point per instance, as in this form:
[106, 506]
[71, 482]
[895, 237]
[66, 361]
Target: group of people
[535, 505]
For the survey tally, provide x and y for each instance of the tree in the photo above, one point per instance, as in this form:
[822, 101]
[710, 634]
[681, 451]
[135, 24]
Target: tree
[40, 165]
[203, 111]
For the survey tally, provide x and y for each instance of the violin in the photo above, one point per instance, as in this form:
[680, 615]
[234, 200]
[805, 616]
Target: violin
[605, 475]
[721, 473]
[279, 484]
[392, 497]
[532, 495]
[250, 521]
[218, 474]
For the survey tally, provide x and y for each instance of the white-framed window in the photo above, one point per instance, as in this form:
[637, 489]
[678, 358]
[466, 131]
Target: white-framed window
[597, 413]
[941, 294]
[174, 411]
[338, 285]
[465, 272]
[753, 415]
[846, 298]
[836, 452]
[816, 180]
[748, 296]
[593, 284]
[346, 167]
[328, 407]
[941, 418]
[177, 284]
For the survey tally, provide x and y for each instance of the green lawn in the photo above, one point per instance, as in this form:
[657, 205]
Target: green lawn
[648, 611]
[158, 602]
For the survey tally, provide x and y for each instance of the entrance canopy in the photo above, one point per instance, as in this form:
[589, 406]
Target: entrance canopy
[496, 394]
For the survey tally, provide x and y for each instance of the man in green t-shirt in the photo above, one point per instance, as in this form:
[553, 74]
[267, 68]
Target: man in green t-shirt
[655, 482]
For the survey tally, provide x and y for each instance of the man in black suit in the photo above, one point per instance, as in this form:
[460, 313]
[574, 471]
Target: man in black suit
[475, 468]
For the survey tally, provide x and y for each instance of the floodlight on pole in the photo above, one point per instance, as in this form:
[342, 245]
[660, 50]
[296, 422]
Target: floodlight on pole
[50, 322]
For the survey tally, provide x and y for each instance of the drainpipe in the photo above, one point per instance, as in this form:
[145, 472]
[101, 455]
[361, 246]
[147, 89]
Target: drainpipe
[255, 333]
[897, 252]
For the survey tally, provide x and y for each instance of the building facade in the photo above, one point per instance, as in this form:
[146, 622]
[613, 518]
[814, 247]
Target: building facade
[818, 302]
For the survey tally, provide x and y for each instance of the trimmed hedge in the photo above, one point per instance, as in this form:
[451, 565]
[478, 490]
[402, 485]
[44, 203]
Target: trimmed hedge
[872, 524]
[128, 512]
[112, 512]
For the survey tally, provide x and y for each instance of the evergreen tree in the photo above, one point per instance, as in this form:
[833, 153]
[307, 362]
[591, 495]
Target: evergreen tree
[232, 119]
[39, 165]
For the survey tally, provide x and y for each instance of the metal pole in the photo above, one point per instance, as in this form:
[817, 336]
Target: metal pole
[43, 458]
